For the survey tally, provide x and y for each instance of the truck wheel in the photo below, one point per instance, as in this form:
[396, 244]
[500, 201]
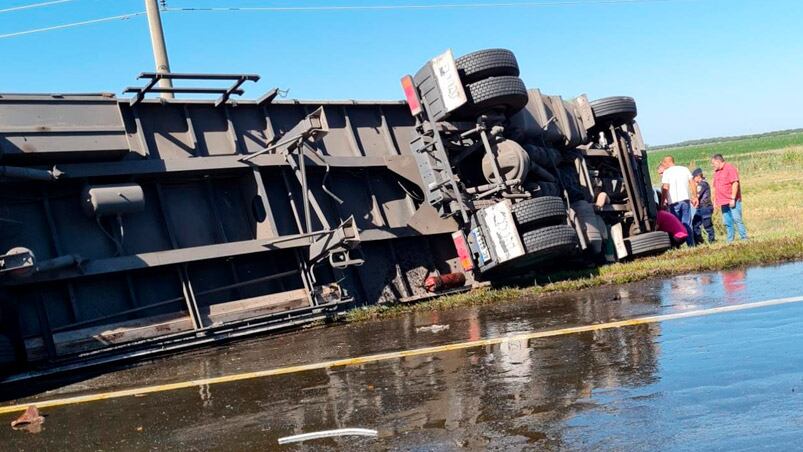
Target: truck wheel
[550, 241]
[648, 243]
[614, 110]
[482, 64]
[507, 93]
[534, 212]
[544, 189]
[7, 356]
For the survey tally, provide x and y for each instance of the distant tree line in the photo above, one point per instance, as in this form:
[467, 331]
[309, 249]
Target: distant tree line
[723, 139]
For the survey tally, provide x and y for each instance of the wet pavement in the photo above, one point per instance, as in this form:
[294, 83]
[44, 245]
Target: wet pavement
[723, 381]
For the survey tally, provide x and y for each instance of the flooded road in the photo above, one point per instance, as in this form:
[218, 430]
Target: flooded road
[728, 380]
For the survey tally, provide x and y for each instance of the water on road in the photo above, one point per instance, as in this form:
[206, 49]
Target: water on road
[728, 380]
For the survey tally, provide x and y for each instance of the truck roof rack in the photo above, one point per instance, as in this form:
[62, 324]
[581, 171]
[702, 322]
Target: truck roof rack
[155, 77]
[27, 96]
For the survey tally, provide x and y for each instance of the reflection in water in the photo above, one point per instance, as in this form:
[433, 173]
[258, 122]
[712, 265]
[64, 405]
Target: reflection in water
[461, 397]
[733, 282]
[688, 291]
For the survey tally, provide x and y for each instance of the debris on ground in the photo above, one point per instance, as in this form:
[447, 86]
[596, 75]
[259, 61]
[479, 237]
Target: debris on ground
[30, 420]
[442, 282]
[432, 328]
[328, 434]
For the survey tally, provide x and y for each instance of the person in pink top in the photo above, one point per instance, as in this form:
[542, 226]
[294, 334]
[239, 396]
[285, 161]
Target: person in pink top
[728, 194]
[670, 224]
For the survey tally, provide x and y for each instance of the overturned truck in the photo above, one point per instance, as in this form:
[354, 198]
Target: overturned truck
[529, 177]
[133, 226]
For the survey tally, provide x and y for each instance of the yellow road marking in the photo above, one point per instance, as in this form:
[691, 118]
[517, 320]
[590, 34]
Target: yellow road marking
[399, 354]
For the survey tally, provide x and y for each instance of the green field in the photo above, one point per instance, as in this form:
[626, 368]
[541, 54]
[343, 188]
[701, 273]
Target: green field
[700, 154]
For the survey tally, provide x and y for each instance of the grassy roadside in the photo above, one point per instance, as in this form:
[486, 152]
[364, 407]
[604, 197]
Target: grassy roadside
[686, 260]
[773, 209]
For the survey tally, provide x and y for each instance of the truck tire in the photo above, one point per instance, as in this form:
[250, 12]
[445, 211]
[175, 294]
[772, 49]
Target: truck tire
[482, 64]
[7, 355]
[648, 243]
[544, 156]
[507, 93]
[543, 189]
[532, 213]
[541, 174]
[614, 111]
[551, 241]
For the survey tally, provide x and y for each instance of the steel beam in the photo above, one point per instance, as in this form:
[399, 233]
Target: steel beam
[201, 253]
[207, 164]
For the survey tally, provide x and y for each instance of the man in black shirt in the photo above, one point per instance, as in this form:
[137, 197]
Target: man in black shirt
[705, 208]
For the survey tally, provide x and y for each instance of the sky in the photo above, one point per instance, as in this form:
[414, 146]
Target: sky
[697, 68]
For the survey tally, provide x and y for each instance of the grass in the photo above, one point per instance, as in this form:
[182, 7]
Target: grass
[685, 260]
[773, 208]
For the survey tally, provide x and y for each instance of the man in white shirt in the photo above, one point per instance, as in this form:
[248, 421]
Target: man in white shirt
[678, 193]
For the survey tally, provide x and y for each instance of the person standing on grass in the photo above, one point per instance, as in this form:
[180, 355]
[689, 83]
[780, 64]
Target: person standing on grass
[678, 193]
[705, 209]
[728, 193]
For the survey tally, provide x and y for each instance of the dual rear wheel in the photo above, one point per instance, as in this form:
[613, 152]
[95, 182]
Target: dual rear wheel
[544, 232]
[491, 81]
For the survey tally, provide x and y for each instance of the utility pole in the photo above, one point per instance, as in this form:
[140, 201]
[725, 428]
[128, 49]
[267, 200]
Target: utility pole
[158, 44]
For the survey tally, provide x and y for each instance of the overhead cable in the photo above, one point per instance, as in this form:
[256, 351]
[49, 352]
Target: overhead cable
[71, 25]
[411, 7]
[33, 5]
[318, 8]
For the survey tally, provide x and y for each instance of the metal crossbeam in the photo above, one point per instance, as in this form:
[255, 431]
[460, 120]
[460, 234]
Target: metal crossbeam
[225, 93]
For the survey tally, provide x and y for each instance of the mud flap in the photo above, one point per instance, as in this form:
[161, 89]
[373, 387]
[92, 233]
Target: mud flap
[578, 228]
[618, 241]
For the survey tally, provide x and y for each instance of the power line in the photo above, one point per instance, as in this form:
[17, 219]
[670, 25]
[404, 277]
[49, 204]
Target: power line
[318, 8]
[410, 7]
[33, 5]
[71, 25]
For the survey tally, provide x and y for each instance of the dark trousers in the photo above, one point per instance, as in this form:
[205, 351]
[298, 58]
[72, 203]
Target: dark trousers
[682, 211]
[702, 220]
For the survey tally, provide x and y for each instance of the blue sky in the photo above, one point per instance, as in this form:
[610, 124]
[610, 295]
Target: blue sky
[696, 68]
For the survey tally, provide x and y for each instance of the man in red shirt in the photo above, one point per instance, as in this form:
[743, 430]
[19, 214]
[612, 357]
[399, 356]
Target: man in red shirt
[728, 196]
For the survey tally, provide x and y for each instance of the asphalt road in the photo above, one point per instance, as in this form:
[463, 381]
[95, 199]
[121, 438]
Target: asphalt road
[719, 380]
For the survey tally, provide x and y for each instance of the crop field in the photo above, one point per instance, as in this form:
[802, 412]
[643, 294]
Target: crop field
[699, 154]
